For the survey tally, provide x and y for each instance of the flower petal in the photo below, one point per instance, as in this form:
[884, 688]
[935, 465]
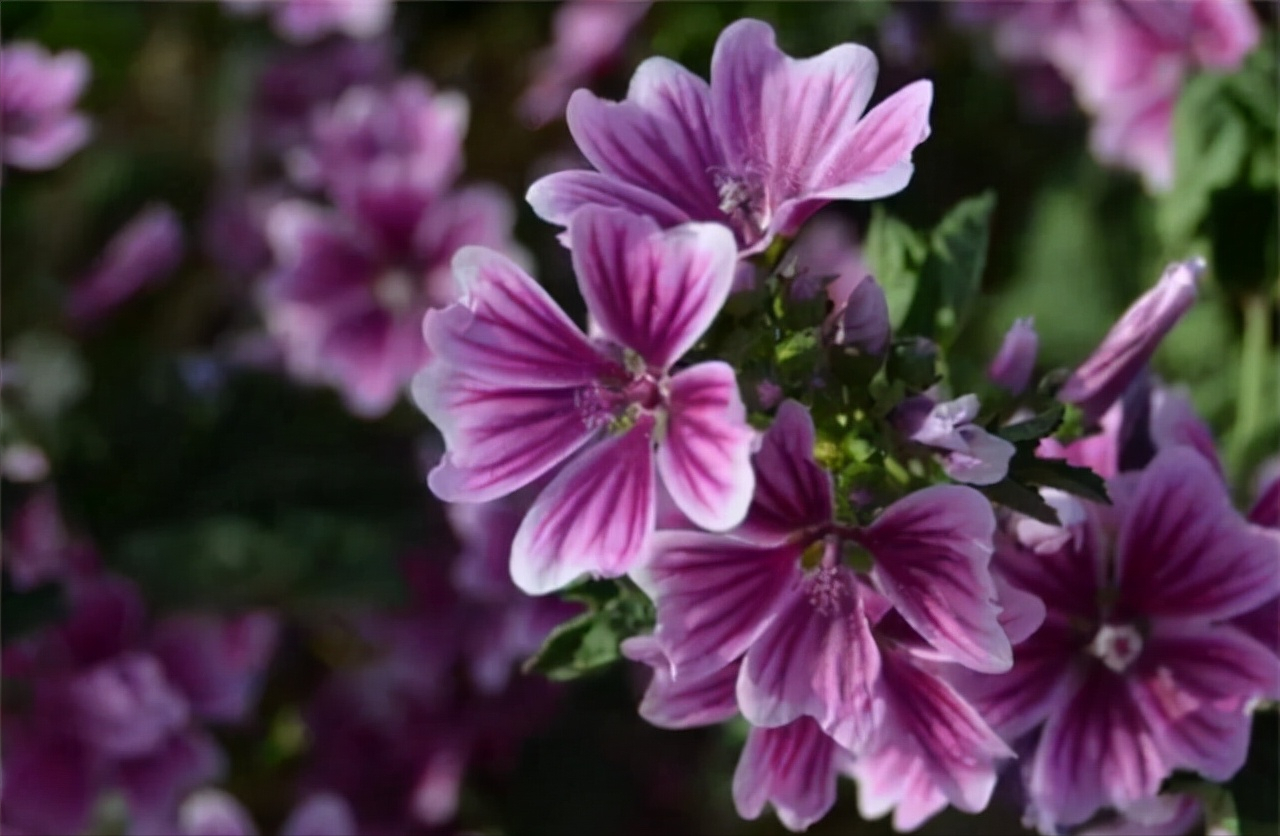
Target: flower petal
[498, 438]
[792, 491]
[956, 746]
[783, 116]
[321, 814]
[659, 139]
[1183, 551]
[894, 778]
[685, 703]
[793, 767]
[556, 197]
[506, 329]
[818, 658]
[714, 596]
[1021, 613]
[596, 516]
[1209, 662]
[651, 291]
[1096, 751]
[213, 812]
[874, 159]
[1207, 740]
[705, 459]
[932, 549]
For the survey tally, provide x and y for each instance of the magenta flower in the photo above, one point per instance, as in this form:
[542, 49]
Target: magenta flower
[1127, 347]
[588, 37]
[516, 389]
[1138, 670]
[303, 21]
[1013, 364]
[406, 136]
[147, 250]
[38, 127]
[349, 291]
[761, 148]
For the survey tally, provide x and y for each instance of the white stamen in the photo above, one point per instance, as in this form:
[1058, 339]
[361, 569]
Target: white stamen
[1117, 645]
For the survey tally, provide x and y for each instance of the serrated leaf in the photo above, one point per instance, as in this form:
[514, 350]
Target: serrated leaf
[1035, 428]
[556, 658]
[1020, 498]
[1056, 473]
[594, 592]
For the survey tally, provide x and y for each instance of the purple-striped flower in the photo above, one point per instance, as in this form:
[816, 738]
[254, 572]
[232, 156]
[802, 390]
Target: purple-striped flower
[350, 287]
[1128, 346]
[38, 127]
[1139, 669]
[517, 389]
[406, 136]
[213, 812]
[817, 639]
[761, 148]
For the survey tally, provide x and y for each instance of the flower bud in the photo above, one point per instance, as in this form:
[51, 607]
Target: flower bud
[1128, 346]
[863, 322]
[1015, 361]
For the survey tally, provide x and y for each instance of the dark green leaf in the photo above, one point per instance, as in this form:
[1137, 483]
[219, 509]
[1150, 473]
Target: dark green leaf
[951, 274]
[1036, 428]
[1022, 499]
[894, 252]
[1055, 473]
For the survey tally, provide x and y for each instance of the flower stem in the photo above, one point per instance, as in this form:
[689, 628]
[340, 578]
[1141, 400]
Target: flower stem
[1251, 408]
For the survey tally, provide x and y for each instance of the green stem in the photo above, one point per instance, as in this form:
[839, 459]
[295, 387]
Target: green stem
[1251, 408]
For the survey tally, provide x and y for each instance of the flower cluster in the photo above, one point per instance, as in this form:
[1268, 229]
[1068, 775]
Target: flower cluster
[909, 635]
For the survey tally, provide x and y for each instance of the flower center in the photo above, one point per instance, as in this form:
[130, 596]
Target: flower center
[829, 590]
[395, 291]
[1117, 645]
[743, 201]
[618, 404]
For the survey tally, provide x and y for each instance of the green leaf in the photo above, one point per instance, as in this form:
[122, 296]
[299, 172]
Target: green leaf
[1036, 428]
[913, 362]
[557, 658]
[1022, 499]
[1028, 469]
[894, 252]
[588, 643]
[951, 274]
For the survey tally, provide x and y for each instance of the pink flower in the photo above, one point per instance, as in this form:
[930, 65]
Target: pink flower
[38, 127]
[303, 21]
[589, 35]
[1138, 670]
[147, 250]
[516, 389]
[817, 639]
[350, 288]
[406, 136]
[761, 148]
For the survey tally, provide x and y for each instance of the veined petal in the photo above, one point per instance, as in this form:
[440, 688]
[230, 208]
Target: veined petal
[894, 778]
[874, 159]
[659, 139]
[792, 767]
[1096, 751]
[781, 116]
[498, 438]
[1157, 816]
[555, 198]
[1209, 662]
[957, 748]
[1184, 552]
[685, 703]
[1067, 567]
[817, 659]
[652, 291]
[932, 549]
[705, 459]
[714, 596]
[1021, 613]
[595, 517]
[506, 329]
[792, 491]
[1209, 740]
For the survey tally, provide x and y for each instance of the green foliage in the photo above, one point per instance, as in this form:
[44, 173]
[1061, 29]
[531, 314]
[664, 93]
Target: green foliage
[589, 643]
